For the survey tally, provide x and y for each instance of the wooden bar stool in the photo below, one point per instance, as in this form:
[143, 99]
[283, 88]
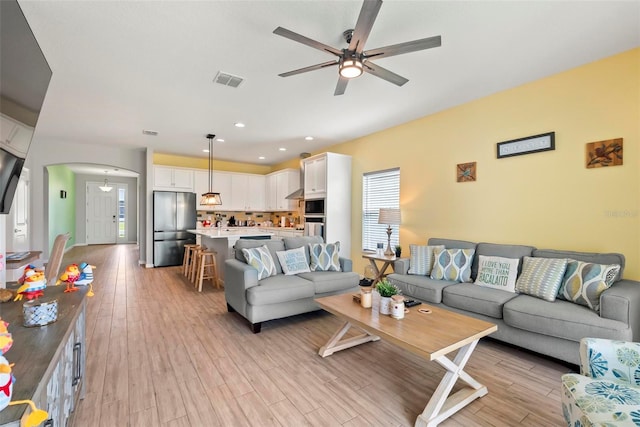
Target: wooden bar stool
[189, 252]
[195, 259]
[207, 269]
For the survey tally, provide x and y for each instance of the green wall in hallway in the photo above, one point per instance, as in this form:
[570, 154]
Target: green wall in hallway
[62, 212]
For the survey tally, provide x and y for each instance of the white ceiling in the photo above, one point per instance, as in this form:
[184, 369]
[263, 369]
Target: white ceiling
[123, 66]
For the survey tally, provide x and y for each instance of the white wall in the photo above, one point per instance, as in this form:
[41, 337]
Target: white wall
[46, 153]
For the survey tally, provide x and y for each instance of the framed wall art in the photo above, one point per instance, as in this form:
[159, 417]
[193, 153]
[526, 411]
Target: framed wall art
[604, 153]
[528, 145]
[466, 172]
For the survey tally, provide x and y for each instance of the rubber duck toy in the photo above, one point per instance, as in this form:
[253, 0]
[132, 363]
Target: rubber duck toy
[86, 277]
[70, 275]
[33, 281]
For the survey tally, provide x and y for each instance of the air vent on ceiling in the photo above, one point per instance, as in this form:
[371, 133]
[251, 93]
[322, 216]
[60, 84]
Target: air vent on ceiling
[227, 79]
[149, 132]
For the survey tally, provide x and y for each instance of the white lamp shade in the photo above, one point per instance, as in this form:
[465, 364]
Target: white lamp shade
[389, 216]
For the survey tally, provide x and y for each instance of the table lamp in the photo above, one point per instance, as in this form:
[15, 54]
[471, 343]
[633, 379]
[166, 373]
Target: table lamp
[390, 217]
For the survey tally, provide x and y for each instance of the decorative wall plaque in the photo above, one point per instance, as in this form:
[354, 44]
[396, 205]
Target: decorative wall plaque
[604, 153]
[466, 172]
[528, 145]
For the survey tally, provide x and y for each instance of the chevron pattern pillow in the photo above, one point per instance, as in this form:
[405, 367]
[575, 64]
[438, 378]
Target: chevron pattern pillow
[260, 259]
[421, 259]
[541, 277]
[324, 256]
[452, 264]
[584, 282]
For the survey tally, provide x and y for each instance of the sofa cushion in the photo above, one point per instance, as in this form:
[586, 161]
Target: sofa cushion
[260, 259]
[584, 282]
[301, 242]
[497, 273]
[453, 264]
[541, 277]
[476, 299]
[596, 258]
[324, 256]
[331, 281]
[421, 259]
[561, 319]
[421, 287]
[501, 250]
[273, 245]
[293, 261]
[279, 288]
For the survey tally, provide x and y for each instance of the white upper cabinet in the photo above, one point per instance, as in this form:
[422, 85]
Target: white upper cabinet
[286, 182]
[173, 179]
[15, 137]
[315, 177]
[247, 192]
[221, 184]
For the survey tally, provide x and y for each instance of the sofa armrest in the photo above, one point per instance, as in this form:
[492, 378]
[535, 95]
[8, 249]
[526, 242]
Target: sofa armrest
[346, 264]
[401, 266]
[238, 277]
[622, 302]
[600, 358]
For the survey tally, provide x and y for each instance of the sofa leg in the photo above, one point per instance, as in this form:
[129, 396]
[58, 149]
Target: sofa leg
[255, 327]
[230, 309]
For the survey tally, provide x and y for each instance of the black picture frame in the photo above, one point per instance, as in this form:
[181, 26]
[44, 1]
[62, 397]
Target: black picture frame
[63, 194]
[527, 145]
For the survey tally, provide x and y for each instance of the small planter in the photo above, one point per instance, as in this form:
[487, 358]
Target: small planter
[398, 250]
[385, 305]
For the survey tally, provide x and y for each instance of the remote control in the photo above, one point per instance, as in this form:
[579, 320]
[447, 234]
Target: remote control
[411, 303]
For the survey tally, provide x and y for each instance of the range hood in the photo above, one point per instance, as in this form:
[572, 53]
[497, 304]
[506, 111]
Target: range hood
[299, 193]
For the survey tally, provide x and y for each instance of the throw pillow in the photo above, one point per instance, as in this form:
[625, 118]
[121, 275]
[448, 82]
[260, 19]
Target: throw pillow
[541, 277]
[584, 282]
[324, 256]
[293, 261]
[452, 264]
[421, 259]
[497, 272]
[260, 259]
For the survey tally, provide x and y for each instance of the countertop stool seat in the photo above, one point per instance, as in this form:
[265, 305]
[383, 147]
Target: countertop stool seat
[187, 260]
[207, 268]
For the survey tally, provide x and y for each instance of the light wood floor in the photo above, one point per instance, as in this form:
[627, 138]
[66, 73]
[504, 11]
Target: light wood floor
[162, 354]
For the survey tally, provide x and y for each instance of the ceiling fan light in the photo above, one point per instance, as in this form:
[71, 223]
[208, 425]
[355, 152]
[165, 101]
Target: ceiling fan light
[351, 68]
[211, 199]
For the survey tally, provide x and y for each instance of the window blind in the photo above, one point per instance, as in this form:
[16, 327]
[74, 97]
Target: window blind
[380, 189]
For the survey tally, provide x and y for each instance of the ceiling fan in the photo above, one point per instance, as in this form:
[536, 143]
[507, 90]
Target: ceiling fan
[354, 60]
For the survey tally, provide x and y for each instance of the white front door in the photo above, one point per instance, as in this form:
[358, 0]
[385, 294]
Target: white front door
[18, 237]
[101, 214]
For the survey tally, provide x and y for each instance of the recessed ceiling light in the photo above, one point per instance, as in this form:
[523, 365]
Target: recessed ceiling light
[282, 149]
[206, 150]
[149, 132]
[308, 138]
[220, 140]
[239, 125]
[261, 158]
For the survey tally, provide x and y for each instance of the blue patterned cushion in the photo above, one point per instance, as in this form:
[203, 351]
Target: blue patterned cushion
[260, 259]
[584, 282]
[453, 264]
[293, 261]
[541, 277]
[324, 256]
[421, 259]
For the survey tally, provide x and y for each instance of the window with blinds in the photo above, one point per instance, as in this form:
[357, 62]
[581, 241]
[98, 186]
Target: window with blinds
[380, 189]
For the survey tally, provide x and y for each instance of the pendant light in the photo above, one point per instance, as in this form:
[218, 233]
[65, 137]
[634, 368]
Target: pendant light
[210, 198]
[106, 187]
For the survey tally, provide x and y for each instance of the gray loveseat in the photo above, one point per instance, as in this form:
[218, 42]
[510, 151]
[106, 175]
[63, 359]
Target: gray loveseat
[550, 328]
[280, 295]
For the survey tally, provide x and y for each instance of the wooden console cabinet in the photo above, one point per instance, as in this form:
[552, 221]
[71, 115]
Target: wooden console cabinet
[49, 360]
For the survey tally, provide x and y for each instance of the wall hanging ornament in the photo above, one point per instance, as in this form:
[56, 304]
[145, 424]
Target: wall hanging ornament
[466, 172]
[604, 153]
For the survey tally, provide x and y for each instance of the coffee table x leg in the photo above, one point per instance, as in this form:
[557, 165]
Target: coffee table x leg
[336, 343]
[441, 406]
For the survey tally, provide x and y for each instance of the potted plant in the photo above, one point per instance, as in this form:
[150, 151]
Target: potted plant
[398, 251]
[386, 291]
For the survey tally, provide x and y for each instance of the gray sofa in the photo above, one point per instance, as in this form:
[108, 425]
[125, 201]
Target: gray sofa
[281, 296]
[550, 328]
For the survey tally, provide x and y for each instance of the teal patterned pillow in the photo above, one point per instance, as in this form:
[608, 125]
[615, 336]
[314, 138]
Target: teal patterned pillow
[260, 259]
[452, 264]
[324, 256]
[541, 277]
[584, 282]
[421, 260]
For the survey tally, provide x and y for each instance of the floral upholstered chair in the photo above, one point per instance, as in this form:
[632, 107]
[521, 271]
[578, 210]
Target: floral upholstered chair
[608, 391]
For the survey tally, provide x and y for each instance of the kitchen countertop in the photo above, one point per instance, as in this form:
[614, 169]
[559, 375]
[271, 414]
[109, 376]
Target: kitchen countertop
[225, 232]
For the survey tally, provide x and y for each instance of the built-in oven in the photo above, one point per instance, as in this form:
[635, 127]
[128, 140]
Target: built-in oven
[314, 207]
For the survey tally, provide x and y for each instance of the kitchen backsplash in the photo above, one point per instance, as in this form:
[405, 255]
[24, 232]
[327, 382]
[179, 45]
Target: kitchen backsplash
[295, 217]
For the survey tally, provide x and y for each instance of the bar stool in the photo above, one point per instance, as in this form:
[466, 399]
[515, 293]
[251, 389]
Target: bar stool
[207, 269]
[189, 251]
[195, 259]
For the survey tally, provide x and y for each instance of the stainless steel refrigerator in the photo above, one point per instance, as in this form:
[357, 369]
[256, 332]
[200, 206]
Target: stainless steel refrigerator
[173, 214]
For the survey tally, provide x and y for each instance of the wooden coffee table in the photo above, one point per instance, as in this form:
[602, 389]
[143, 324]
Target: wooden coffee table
[431, 335]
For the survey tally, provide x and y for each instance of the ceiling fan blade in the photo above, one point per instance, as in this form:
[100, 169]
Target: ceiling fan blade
[309, 68]
[367, 17]
[306, 40]
[406, 47]
[341, 86]
[383, 73]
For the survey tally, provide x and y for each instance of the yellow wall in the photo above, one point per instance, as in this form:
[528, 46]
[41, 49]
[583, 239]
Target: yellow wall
[203, 163]
[549, 199]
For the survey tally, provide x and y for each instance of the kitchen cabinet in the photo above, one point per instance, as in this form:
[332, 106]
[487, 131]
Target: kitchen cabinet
[247, 192]
[315, 177]
[278, 186]
[221, 184]
[172, 179]
[15, 137]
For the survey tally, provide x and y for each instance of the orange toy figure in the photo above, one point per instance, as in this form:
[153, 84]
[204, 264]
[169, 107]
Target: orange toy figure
[33, 282]
[70, 275]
